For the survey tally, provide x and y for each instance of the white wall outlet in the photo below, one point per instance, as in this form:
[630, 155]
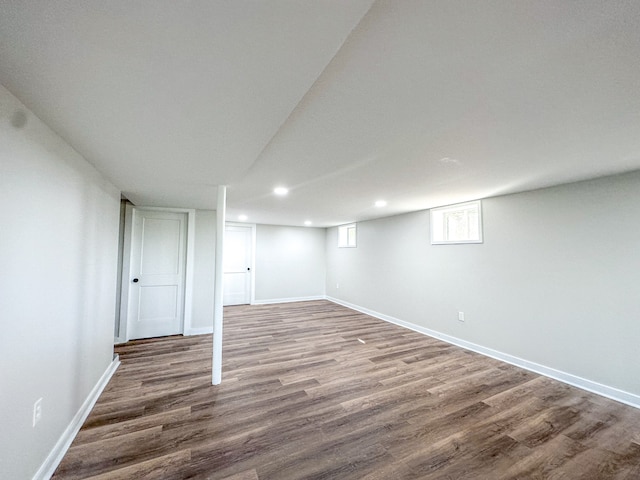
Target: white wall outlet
[37, 411]
[337, 285]
[461, 316]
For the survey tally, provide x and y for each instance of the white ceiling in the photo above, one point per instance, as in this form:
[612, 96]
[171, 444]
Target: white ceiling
[421, 103]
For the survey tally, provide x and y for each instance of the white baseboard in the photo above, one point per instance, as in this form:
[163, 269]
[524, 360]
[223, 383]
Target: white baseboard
[583, 383]
[289, 300]
[198, 330]
[54, 458]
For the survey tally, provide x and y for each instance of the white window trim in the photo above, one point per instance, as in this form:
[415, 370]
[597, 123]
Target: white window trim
[451, 208]
[347, 227]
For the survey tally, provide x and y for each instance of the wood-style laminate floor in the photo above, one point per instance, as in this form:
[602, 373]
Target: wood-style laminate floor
[303, 398]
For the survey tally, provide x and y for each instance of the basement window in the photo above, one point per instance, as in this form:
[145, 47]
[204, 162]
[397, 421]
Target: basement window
[461, 223]
[347, 236]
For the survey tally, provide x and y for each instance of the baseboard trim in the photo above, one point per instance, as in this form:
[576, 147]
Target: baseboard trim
[289, 300]
[568, 378]
[198, 331]
[47, 469]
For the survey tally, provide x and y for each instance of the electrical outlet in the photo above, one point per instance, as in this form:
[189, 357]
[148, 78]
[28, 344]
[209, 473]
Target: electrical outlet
[37, 411]
[337, 285]
[461, 316]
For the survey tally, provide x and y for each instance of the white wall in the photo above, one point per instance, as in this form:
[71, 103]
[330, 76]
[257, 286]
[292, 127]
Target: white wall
[555, 282]
[203, 270]
[58, 259]
[290, 263]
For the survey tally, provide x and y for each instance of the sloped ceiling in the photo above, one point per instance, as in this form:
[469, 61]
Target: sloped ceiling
[419, 103]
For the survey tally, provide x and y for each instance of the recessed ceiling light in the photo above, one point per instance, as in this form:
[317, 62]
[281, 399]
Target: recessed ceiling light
[307, 223]
[449, 161]
[242, 218]
[380, 203]
[281, 191]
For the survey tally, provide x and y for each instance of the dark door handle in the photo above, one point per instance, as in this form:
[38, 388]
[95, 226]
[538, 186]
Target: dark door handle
[135, 280]
[248, 269]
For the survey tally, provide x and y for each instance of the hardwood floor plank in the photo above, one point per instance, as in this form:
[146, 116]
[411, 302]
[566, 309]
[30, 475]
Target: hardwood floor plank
[111, 430]
[247, 475]
[112, 453]
[303, 397]
[166, 467]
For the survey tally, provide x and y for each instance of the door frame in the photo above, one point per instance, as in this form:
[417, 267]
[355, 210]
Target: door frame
[126, 268]
[252, 259]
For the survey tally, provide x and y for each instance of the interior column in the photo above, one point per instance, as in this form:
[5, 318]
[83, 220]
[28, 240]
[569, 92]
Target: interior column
[216, 375]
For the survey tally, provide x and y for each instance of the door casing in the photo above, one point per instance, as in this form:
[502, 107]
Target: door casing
[249, 231]
[124, 331]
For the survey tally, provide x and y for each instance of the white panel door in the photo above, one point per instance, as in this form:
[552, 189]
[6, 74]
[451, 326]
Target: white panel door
[236, 288]
[156, 288]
